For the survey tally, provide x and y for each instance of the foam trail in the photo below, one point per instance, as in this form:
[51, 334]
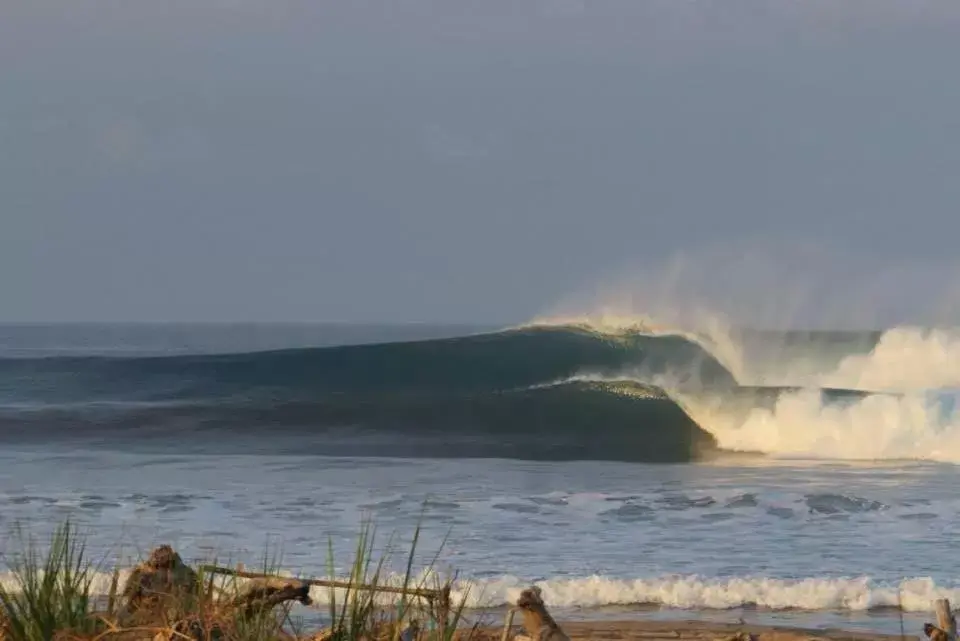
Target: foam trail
[674, 591]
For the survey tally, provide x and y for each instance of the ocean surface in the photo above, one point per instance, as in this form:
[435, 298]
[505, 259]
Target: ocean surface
[630, 470]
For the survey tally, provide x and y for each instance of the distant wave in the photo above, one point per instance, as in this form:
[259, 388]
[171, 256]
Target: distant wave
[629, 391]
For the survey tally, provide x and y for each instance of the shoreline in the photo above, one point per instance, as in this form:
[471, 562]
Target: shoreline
[686, 625]
[693, 629]
[654, 623]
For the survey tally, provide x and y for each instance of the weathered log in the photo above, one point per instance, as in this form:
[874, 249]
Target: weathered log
[946, 628]
[263, 594]
[945, 619]
[431, 595]
[537, 622]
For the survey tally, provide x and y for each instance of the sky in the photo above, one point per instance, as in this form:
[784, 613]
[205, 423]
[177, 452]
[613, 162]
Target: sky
[475, 161]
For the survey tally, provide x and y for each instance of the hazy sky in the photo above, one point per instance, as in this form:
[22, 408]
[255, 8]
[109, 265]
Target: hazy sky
[461, 161]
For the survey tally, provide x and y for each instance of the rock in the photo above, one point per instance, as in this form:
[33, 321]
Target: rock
[934, 633]
[537, 622]
[161, 588]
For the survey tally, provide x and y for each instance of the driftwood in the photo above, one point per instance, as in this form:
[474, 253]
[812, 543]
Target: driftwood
[163, 590]
[946, 628]
[507, 624]
[537, 622]
[437, 598]
[441, 597]
[263, 594]
[164, 599]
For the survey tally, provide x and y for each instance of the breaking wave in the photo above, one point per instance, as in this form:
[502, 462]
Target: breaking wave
[690, 592]
[572, 388]
[803, 423]
[698, 593]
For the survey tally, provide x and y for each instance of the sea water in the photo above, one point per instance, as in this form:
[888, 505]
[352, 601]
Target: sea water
[793, 539]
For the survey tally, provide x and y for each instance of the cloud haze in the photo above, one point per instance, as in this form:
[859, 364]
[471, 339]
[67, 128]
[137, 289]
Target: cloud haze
[459, 161]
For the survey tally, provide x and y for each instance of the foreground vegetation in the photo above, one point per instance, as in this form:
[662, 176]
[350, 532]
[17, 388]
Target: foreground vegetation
[52, 596]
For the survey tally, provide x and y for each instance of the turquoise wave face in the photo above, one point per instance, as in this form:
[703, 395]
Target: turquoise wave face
[472, 364]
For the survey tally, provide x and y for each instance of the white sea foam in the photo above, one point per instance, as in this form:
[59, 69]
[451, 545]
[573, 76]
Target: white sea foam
[905, 358]
[689, 592]
[915, 419]
[696, 592]
[915, 426]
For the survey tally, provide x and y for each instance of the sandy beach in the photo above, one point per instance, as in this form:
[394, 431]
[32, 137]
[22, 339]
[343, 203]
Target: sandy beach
[690, 629]
[627, 630]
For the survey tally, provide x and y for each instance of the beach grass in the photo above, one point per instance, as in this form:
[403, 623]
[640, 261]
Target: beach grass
[51, 591]
[51, 595]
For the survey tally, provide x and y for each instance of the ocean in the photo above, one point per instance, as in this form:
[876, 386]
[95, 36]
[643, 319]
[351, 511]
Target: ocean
[630, 470]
